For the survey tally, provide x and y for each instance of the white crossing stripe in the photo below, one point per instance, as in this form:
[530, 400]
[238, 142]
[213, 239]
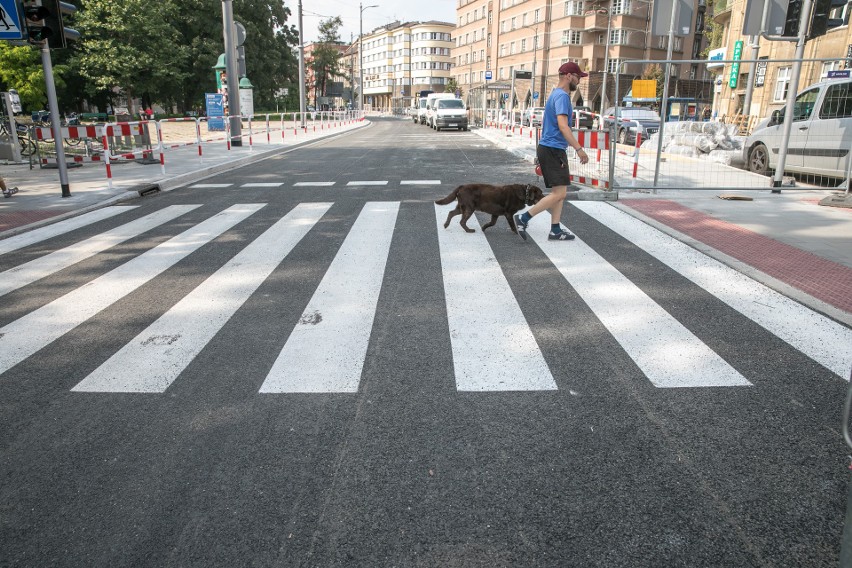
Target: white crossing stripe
[820, 338]
[313, 184]
[60, 228]
[420, 182]
[155, 358]
[201, 185]
[25, 336]
[326, 350]
[367, 183]
[493, 346]
[668, 353]
[38, 268]
[263, 184]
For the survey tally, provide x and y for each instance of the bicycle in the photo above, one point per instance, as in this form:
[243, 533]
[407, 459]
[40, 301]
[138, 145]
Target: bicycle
[28, 145]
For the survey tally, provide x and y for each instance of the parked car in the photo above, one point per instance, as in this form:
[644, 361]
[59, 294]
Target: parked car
[821, 137]
[586, 117]
[449, 113]
[632, 121]
[532, 116]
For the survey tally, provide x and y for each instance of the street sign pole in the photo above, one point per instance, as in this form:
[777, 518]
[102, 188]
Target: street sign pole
[792, 90]
[55, 123]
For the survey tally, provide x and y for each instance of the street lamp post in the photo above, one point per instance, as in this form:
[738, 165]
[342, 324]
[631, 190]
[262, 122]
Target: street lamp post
[361, 53]
[606, 59]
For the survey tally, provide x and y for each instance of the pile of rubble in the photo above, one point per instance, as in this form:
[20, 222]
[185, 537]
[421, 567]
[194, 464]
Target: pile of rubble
[714, 141]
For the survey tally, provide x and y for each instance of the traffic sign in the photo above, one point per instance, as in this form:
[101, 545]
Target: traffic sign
[10, 20]
[535, 95]
[488, 75]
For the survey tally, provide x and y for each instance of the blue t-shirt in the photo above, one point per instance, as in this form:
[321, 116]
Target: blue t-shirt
[557, 103]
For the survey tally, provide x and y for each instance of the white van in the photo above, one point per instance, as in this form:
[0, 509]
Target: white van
[821, 137]
[450, 113]
[418, 113]
[431, 105]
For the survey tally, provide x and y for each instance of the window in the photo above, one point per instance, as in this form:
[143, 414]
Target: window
[620, 6]
[574, 8]
[829, 66]
[514, 23]
[782, 83]
[617, 37]
[523, 45]
[838, 101]
[536, 16]
[804, 105]
[613, 65]
[512, 48]
[570, 37]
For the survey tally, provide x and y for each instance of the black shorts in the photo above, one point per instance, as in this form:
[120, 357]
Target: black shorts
[554, 166]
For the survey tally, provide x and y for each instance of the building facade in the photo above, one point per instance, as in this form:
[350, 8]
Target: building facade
[402, 59]
[601, 36]
[772, 76]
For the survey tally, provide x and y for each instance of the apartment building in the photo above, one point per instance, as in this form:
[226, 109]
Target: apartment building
[772, 76]
[601, 36]
[402, 59]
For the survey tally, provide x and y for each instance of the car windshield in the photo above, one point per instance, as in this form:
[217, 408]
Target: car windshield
[451, 103]
[639, 114]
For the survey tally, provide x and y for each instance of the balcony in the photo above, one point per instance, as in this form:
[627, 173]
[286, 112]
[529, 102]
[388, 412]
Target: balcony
[722, 11]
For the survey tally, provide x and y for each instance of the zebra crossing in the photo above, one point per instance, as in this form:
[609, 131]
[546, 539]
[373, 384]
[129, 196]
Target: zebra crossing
[493, 346]
[352, 183]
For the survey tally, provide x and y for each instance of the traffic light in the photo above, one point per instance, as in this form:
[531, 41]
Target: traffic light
[820, 20]
[791, 20]
[44, 22]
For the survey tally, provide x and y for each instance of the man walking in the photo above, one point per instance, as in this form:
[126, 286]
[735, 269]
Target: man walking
[556, 136]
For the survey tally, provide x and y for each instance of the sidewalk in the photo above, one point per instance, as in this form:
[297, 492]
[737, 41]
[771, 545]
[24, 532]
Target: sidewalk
[787, 241]
[40, 200]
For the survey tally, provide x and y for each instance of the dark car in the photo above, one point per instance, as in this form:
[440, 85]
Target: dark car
[632, 121]
[586, 117]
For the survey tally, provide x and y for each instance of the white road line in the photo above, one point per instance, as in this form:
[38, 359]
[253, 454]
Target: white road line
[25, 336]
[420, 182]
[155, 358]
[493, 346]
[820, 338]
[325, 351]
[313, 184]
[263, 184]
[38, 235]
[38, 268]
[668, 353]
[367, 183]
[201, 185]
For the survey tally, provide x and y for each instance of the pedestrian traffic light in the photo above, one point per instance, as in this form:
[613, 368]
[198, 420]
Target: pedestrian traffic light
[791, 20]
[821, 21]
[44, 22]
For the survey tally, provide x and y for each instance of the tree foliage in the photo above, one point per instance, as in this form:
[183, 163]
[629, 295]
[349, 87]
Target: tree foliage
[325, 61]
[162, 51]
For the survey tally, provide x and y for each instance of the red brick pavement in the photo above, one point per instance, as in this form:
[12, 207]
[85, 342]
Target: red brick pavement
[14, 219]
[823, 279]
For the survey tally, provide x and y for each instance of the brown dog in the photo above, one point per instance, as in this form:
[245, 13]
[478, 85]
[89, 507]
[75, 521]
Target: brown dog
[498, 200]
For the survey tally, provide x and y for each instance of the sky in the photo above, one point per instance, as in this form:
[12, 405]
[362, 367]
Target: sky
[313, 11]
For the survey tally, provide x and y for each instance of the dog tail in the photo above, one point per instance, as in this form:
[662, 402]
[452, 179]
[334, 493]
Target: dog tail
[448, 199]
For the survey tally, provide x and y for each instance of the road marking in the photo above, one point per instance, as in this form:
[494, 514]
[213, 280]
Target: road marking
[367, 183]
[155, 358]
[38, 268]
[38, 235]
[820, 338]
[313, 184]
[493, 346]
[25, 336]
[420, 182]
[326, 350]
[263, 184]
[201, 185]
[668, 353]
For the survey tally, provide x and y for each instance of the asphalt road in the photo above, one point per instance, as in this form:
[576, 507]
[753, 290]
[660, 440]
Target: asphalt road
[214, 467]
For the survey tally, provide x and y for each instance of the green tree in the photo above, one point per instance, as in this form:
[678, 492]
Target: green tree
[21, 69]
[325, 60]
[656, 73]
[453, 86]
[132, 45]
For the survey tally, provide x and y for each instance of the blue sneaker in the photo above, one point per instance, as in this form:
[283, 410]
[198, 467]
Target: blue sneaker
[560, 236]
[521, 226]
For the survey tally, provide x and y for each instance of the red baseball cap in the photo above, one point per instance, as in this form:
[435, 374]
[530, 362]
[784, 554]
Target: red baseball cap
[571, 67]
